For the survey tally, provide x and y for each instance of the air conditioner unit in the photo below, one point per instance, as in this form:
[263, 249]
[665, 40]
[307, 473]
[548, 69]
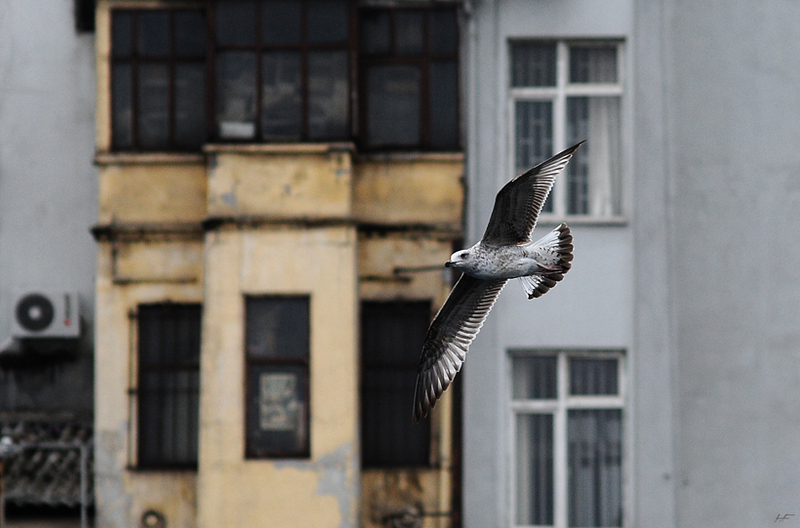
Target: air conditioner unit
[45, 314]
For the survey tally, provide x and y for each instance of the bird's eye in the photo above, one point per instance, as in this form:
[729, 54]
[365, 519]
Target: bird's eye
[465, 255]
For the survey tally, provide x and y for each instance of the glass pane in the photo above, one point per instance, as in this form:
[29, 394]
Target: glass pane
[235, 22]
[443, 89]
[281, 96]
[153, 111]
[393, 113]
[277, 327]
[375, 32]
[122, 106]
[121, 33]
[443, 32]
[277, 410]
[327, 21]
[593, 376]
[327, 95]
[594, 172]
[595, 467]
[595, 64]
[392, 334]
[280, 22]
[534, 378]
[190, 34]
[408, 32]
[190, 105]
[533, 138]
[153, 33]
[169, 335]
[533, 64]
[236, 95]
[534, 469]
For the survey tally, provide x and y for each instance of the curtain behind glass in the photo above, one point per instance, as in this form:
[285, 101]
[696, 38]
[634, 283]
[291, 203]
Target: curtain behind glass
[535, 503]
[595, 467]
[593, 174]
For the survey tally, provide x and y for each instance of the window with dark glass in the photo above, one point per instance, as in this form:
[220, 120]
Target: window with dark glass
[392, 334]
[277, 359]
[282, 70]
[158, 79]
[168, 384]
[409, 78]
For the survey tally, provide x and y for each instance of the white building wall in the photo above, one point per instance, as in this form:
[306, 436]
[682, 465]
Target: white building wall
[48, 196]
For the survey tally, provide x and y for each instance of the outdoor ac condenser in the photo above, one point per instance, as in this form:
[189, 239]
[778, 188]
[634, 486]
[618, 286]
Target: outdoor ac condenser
[45, 314]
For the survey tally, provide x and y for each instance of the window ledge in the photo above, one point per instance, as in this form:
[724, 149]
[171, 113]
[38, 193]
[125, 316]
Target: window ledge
[147, 158]
[613, 221]
[278, 148]
[411, 156]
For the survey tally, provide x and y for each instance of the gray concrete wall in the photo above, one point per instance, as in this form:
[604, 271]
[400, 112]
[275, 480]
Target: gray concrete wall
[48, 196]
[732, 116]
[593, 306]
[707, 292]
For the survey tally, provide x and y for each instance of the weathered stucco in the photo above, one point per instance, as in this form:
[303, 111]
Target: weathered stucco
[234, 491]
[152, 193]
[312, 182]
[417, 190]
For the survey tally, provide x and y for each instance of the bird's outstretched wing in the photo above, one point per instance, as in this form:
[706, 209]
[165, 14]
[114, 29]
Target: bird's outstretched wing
[449, 337]
[517, 205]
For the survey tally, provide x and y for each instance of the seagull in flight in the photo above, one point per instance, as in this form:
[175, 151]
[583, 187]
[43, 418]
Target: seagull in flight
[505, 252]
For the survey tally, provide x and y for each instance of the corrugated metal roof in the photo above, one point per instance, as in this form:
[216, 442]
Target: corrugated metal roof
[47, 467]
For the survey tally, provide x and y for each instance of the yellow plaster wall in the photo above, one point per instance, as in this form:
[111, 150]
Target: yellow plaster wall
[152, 193]
[310, 181]
[158, 261]
[320, 492]
[122, 495]
[420, 190]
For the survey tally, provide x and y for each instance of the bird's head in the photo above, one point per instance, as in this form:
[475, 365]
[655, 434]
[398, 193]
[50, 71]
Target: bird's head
[460, 259]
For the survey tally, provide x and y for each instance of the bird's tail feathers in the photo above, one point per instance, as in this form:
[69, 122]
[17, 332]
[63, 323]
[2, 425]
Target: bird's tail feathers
[555, 250]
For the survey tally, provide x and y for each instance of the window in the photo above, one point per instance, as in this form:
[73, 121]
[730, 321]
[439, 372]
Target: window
[409, 78]
[562, 93]
[158, 79]
[567, 415]
[282, 70]
[392, 334]
[169, 378]
[277, 358]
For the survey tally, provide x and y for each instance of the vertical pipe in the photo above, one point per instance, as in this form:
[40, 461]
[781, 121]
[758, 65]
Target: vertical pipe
[84, 484]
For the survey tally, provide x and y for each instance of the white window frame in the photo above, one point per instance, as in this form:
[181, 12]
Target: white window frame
[559, 408]
[558, 95]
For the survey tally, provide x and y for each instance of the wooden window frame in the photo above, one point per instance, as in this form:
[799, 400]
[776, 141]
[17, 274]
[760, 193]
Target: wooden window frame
[135, 390]
[252, 452]
[423, 60]
[134, 60]
[304, 48]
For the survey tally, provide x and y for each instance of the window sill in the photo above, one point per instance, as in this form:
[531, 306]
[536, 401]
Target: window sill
[613, 221]
[278, 148]
[411, 156]
[148, 158]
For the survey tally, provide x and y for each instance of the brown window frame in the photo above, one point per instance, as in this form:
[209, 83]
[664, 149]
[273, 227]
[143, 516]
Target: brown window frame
[172, 59]
[170, 319]
[304, 48]
[357, 62]
[423, 60]
[277, 364]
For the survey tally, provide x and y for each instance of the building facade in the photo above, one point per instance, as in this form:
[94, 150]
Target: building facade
[268, 173]
[654, 386]
[48, 202]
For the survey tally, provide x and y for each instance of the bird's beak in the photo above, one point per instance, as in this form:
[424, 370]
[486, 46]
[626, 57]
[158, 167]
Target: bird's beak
[447, 264]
